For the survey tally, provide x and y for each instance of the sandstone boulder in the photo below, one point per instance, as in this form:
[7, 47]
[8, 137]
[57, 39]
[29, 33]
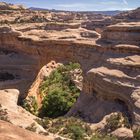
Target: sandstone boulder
[123, 133]
[11, 112]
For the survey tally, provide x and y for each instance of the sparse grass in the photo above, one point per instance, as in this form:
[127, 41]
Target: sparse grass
[136, 134]
[32, 127]
[71, 127]
[116, 121]
[44, 122]
[31, 105]
[98, 136]
[3, 114]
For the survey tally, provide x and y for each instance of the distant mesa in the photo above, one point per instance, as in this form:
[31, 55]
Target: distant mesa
[109, 13]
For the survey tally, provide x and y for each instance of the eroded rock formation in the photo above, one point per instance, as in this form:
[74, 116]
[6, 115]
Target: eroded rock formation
[11, 112]
[113, 85]
[110, 62]
[111, 67]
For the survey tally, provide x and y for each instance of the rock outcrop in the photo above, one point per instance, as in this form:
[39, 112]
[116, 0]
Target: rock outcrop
[122, 33]
[44, 72]
[11, 112]
[97, 25]
[110, 64]
[113, 85]
[100, 24]
[9, 131]
[128, 16]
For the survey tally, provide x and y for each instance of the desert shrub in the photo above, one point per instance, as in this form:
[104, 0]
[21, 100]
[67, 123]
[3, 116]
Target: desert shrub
[43, 122]
[116, 121]
[102, 137]
[59, 91]
[58, 138]
[57, 103]
[76, 131]
[136, 134]
[32, 127]
[3, 114]
[44, 133]
[31, 105]
[71, 127]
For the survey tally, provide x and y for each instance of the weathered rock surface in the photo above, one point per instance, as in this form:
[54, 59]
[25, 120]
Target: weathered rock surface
[14, 113]
[17, 117]
[100, 24]
[97, 25]
[44, 72]
[11, 132]
[123, 33]
[110, 64]
[113, 85]
[111, 68]
[129, 16]
[123, 133]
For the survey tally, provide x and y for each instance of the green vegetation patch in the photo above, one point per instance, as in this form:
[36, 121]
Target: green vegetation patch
[31, 105]
[116, 121]
[98, 136]
[71, 127]
[59, 91]
[136, 134]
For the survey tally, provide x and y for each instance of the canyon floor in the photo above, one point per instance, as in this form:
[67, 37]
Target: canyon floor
[34, 44]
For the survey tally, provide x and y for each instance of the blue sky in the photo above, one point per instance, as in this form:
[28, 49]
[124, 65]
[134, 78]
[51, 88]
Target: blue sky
[82, 5]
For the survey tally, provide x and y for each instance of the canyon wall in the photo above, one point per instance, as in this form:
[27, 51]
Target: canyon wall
[111, 68]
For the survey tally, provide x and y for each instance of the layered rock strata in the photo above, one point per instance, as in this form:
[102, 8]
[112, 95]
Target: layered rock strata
[111, 67]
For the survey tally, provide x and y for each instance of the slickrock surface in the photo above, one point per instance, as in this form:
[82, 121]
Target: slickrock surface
[14, 120]
[11, 132]
[14, 113]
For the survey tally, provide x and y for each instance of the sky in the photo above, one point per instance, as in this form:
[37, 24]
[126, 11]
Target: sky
[79, 5]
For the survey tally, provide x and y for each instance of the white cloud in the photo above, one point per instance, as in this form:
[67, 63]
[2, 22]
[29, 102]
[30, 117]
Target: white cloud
[76, 6]
[125, 2]
[70, 5]
[100, 5]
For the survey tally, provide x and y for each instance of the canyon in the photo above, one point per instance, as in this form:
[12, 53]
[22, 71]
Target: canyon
[107, 48]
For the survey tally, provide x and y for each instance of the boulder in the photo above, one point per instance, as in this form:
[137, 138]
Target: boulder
[123, 133]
